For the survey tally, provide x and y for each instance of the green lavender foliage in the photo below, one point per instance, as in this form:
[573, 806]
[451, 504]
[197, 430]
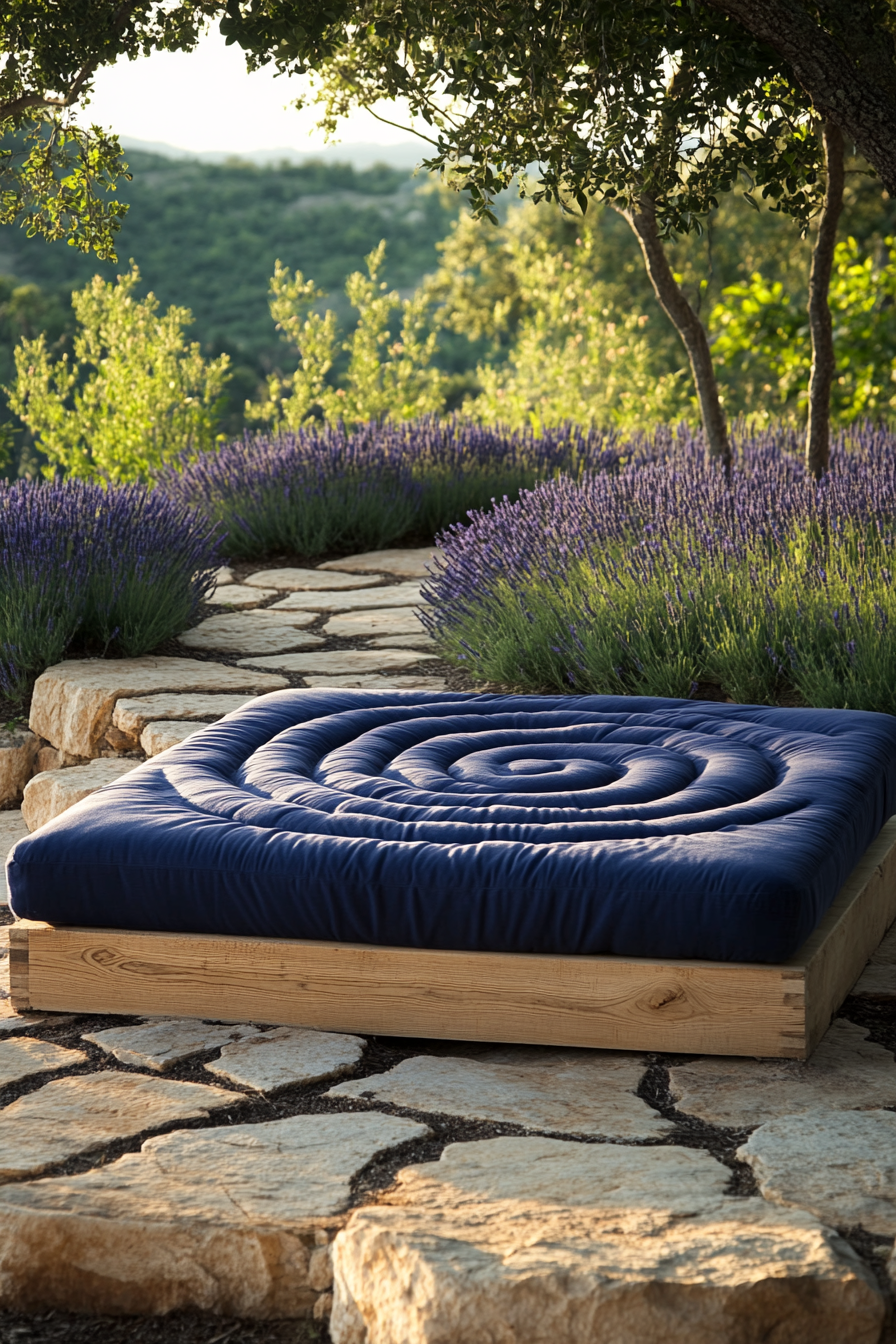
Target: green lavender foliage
[663, 575]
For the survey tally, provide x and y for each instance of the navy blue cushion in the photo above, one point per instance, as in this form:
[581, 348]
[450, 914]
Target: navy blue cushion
[573, 824]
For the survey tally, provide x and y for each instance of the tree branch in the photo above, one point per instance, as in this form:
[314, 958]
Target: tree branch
[41, 101]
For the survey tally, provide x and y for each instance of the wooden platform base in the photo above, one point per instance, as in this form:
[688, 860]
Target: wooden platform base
[700, 1007]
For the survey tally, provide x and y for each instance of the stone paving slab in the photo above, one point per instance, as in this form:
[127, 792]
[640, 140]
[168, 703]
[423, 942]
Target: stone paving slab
[370, 599]
[373, 681]
[846, 1072]
[564, 1091]
[18, 748]
[287, 1056]
[160, 1044]
[540, 1241]
[310, 580]
[344, 661]
[251, 632]
[223, 575]
[12, 828]
[839, 1165]
[55, 791]
[12, 1022]
[23, 1057]
[132, 716]
[73, 701]
[75, 1115]
[239, 595]
[421, 641]
[385, 621]
[231, 1220]
[158, 737]
[404, 564]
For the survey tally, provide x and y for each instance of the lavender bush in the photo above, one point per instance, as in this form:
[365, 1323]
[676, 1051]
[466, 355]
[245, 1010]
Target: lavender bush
[120, 568]
[663, 574]
[327, 488]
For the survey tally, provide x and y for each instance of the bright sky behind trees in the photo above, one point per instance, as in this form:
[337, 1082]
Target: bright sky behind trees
[204, 100]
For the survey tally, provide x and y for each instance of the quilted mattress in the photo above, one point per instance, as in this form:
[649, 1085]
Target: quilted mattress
[573, 824]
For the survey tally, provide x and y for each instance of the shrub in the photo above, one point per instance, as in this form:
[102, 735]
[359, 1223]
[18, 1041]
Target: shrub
[135, 394]
[327, 488]
[121, 568]
[386, 379]
[664, 574]
[761, 339]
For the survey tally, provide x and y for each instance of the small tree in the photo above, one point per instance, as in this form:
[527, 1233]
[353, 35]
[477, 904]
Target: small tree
[133, 396]
[386, 378]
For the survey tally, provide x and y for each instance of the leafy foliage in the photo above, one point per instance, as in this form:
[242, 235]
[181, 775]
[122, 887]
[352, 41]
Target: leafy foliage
[579, 353]
[583, 91]
[662, 574]
[761, 338]
[385, 379]
[112, 567]
[57, 177]
[133, 395]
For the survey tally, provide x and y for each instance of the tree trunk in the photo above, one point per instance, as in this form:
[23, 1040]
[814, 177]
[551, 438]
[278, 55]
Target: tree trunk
[850, 78]
[686, 323]
[821, 329]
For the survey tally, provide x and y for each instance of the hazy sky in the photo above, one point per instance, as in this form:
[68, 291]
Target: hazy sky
[205, 100]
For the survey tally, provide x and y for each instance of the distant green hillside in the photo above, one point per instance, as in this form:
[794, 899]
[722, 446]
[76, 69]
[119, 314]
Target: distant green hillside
[207, 235]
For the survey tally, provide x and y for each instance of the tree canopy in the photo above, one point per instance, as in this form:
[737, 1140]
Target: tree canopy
[57, 175]
[580, 87]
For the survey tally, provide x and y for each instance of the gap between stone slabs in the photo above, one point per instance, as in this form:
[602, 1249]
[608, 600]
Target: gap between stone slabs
[22, 1057]
[158, 737]
[370, 599]
[74, 701]
[131, 716]
[166, 1041]
[345, 661]
[374, 681]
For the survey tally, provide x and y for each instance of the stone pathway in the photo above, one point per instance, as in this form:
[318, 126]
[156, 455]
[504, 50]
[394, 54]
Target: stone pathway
[409, 1191]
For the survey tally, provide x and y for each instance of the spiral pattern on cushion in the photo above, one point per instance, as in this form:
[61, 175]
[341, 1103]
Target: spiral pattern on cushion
[579, 824]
